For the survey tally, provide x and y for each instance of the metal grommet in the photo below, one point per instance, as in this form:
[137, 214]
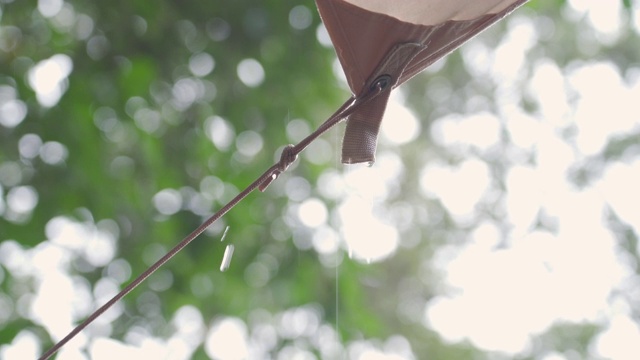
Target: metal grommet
[382, 82]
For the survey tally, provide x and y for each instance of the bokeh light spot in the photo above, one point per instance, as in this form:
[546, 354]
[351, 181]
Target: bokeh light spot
[250, 72]
[322, 35]
[29, 146]
[300, 17]
[249, 143]
[12, 112]
[201, 64]
[227, 340]
[458, 188]
[53, 153]
[368, 238]
[50, 8]
[10, 173]
[220, 132]
[25, 345]
[22, 199]
[167, 201]
[48, 79]
[312, 213]
[325, 240]
[218, 29]
[399, 125]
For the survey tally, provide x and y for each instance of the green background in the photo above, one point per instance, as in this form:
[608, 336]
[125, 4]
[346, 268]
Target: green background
[133, 56]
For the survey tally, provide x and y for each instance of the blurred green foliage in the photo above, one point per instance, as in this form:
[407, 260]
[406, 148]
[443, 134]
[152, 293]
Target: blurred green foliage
[135, 119]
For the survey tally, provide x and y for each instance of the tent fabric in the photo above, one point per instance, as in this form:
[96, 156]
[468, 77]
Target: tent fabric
[363, 37]
[425, 12]
[366, 32]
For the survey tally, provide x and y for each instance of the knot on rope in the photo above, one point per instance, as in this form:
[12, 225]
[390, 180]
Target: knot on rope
[288, 156]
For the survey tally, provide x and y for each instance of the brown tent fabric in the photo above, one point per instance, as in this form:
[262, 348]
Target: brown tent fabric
[365, 32]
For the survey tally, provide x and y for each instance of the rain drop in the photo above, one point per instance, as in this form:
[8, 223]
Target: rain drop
[224, 234]
[226, 259]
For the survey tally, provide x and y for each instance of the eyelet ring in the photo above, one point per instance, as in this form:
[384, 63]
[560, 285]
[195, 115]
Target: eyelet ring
[382, 82]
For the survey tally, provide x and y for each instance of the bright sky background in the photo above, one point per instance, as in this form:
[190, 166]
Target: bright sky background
[495, 296]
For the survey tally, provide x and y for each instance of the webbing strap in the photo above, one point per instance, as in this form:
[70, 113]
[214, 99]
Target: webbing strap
[361, 136]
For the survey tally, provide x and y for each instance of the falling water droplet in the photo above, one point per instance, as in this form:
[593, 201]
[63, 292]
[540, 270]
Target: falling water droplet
[226, 259]
[370, 163]
[224, 234]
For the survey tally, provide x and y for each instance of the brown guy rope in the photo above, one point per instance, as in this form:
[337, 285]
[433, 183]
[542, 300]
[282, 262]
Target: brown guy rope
[288, 156]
